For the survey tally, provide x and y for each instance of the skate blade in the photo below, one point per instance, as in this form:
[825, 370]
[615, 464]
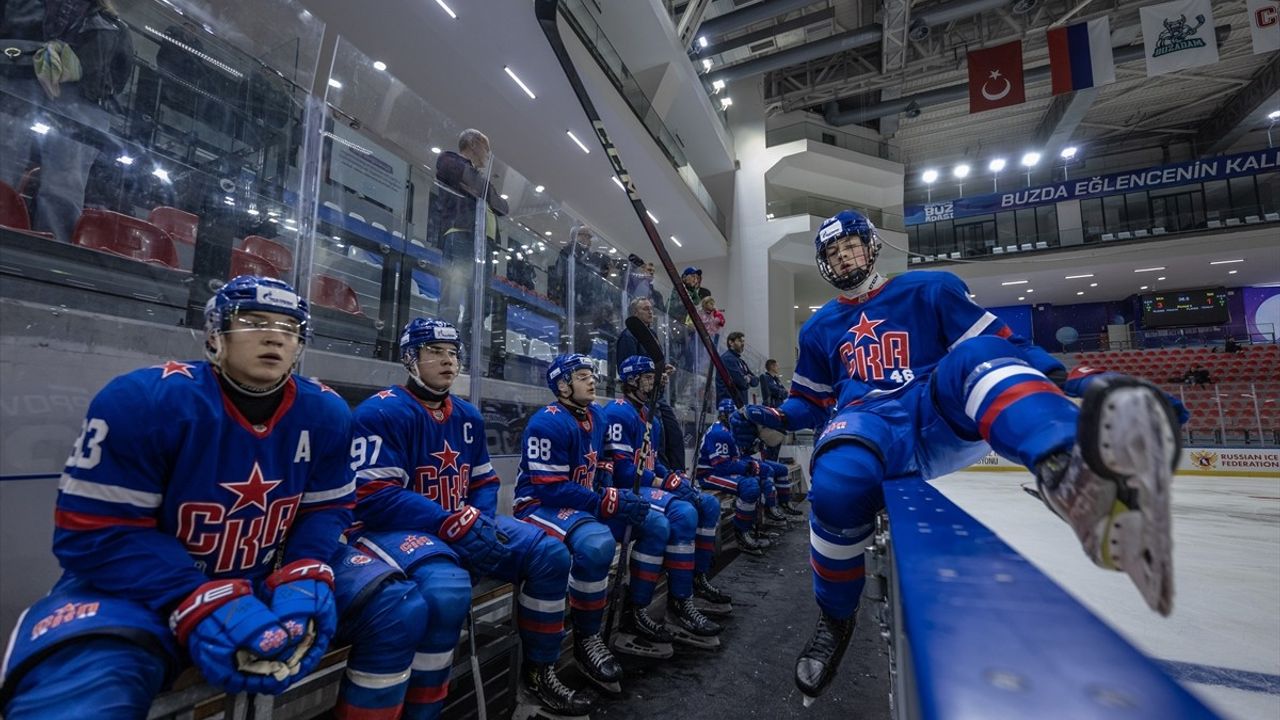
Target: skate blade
[713, 609]
[688, 639]
[529, 708]
[1141, 539]
[613, 688]
[636, 646]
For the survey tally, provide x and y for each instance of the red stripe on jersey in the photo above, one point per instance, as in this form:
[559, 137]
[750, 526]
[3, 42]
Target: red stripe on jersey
[81, 522]
[1004, 332]
[837, 575]
[303, 510]
[364, 490]
[343, 711]
[486, 480]
[727, 484]
[1010, 396]
[547, 479]
[424, 695]
[820, 402]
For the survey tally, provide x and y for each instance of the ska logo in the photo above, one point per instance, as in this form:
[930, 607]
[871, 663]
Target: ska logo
[62, 616]
[229, 537]
[565, 513]
[1178, 35]
[413, 542]
[585, 474]
[444, 481]
[358, 560]
[872, 357]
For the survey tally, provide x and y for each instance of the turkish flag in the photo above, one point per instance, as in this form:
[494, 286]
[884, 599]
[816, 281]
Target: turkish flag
[995, 77]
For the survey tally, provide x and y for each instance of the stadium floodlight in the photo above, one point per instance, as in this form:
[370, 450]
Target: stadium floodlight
[929, 176]
[717, 86]
[961, 171]
[725, 102]
[1069, 152]
[1273, 115]
[996, 165]
[1030, 159]
[702, 41]
[379, 66]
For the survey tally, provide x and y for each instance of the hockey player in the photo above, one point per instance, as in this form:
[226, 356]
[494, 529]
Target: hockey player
[923, 382]
[428, 500]
[197, 521]
[723, 466]
[563, 489]
[772, 473]
[690, 514]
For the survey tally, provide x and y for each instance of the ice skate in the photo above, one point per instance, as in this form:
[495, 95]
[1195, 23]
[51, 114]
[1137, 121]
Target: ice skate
[820, 659]
[774, 517]
[791, 510]
[749, 544]
[595, 661]
[690, 627]
[711, 601]
[1113, 487]
[542, 695]
[641, 636]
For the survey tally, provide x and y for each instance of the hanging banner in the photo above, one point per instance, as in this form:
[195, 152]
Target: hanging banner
[1197, 171]
[995, 77]
[1178, 35]
[1264, 25]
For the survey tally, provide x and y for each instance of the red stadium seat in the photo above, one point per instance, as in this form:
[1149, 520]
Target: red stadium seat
[125, 236]
[330, 292]
[181, 225]
[271, 251]
[242, 263]
[13, 212]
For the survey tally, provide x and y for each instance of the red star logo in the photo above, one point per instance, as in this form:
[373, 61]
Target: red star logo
[252, 491]
[384, 394]
[865, 328]
[591, 460]
[553, 409]
[326, 389]
[448, 457]
[173, 367]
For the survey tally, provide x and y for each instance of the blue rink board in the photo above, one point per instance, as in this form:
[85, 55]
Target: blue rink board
[992, 637]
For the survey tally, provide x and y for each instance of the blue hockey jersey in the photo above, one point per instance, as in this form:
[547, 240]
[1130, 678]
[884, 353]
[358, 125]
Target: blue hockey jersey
[629, 445]
[720, 454]
[865, 349]
[169, 485]
[563, 463]
[417, 465]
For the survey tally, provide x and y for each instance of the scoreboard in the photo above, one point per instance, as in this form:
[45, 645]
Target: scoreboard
[1184, 308]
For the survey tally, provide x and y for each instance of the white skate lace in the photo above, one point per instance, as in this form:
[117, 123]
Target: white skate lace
[595, 648]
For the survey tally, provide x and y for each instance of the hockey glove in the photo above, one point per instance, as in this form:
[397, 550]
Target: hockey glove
[301, 594]
[678, 485]
[476, 538]
[1078, 380]
[221, 624]
[624, 504]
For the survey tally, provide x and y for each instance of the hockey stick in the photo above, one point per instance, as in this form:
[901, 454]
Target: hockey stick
[477, 680]
[545, 11]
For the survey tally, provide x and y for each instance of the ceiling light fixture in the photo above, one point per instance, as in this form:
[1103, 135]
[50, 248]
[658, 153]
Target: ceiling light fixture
[652, 217]
[717, 86]
[677, 242]
[1160, 278]
[929, 176]
[725, 102]
[124, 160]
[1016, 282]
[961, 171]
[1022, 297]
[447, 9]
[618, 182]
[1077, 277]
[1030, 159]
[1232, 272]
[1068, 152]
[519, 82]
[577, 142]
[1150, 269]
[1093, 284]
[539, 188]
[996, 165]
[702, 41]
[334, 83]
[706, 64]
[1225, 262]
[379, 66]
[1079, 292]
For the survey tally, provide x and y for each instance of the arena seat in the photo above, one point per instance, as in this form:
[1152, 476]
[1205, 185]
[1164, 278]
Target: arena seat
[273, 252]
[13, 212]
[331, 292]
[181, 225]
[243, 263]
[126, 236]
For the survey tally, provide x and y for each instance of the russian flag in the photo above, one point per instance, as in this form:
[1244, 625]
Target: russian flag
[1080, 56]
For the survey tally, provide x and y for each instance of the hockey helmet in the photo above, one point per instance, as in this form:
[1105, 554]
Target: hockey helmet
[425, 331]
[563, 368]
[633, 367]
[726, 406]
[252, 293]
[847, 223]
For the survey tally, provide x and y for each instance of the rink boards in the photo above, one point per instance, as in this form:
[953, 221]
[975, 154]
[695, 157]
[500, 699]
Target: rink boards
[1229, 462]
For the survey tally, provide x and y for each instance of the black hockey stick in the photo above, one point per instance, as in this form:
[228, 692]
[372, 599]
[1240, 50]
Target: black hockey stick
[477, 680]
[545, 11]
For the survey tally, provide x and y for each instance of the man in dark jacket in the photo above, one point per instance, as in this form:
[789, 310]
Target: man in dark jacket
[772, 391]
[671, 447]
[743, 378]
[460, 181]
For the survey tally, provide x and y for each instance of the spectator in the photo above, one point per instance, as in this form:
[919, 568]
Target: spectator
[741, 376]
[73, 110]
[772, 391]
[461, 182]
[594, 314]
[712, 319]
[1197, 375]
[1231, 346]
[692, 279]
[670, 446]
